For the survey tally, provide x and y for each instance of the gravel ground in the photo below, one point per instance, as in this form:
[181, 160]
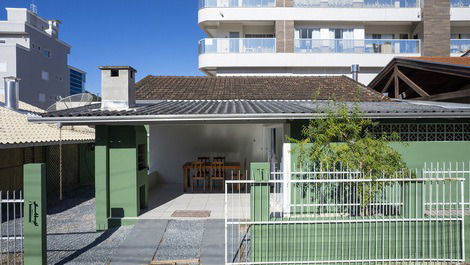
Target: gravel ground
[182, 240]
[72, 238]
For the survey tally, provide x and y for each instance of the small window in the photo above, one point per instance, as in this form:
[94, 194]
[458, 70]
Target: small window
[114, 72]
[132, 74]
[142, 156]
[42, 97]
[44, 75]
[46, 53]
[2, 41]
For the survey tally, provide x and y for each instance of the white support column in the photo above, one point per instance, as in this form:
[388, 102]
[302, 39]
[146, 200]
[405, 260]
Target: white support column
[286, 166]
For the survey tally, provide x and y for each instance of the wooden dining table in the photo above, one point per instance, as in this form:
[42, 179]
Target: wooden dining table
[189, 165]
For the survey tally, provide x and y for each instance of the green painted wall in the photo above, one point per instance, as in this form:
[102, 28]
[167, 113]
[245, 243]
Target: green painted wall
[354, 241]
[118, 175]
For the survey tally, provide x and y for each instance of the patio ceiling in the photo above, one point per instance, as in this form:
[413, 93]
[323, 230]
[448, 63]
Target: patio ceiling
[203, 111]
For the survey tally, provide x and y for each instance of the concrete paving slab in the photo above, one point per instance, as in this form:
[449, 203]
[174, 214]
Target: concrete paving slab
[212, 250]
[141, 244]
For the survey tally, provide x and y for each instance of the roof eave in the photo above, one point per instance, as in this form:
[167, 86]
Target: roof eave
[231, 118]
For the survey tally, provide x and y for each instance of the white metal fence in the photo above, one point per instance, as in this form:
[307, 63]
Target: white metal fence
[11, 227]
[337, 216]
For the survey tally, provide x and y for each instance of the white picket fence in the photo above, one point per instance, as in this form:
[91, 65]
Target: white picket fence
[11, 227]
[337, 216]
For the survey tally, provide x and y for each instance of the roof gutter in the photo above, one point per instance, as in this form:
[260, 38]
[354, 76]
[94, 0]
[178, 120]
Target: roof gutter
[228, 117]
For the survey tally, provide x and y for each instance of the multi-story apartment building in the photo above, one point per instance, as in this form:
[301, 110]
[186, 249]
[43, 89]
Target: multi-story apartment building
[77, 80]
[30, 49]
[326, 37]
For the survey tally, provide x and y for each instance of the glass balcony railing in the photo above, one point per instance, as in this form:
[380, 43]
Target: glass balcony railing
[236, 3]
[246, 45]
[358, 4]
[460, 3]
[459, 45]
[357, 46]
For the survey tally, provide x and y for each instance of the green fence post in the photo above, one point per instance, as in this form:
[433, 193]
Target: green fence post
[35, 210]
[259, 199]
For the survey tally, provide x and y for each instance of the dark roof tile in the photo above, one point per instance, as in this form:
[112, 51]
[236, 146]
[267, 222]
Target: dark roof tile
[253, 88]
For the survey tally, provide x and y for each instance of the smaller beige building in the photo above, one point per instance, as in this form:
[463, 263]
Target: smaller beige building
[23, 142]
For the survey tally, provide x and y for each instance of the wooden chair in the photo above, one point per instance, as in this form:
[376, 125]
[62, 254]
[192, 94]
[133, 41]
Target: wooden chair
[218, 173]
[243, 173]
[205, 159]
[219, 159]
[200, 173]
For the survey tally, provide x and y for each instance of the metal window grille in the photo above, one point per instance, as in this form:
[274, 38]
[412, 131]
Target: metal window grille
[411, 132]
[11, 227]
[338, 216]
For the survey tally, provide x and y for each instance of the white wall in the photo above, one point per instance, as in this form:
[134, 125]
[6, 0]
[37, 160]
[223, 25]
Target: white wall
[209, 15]
[173, 145]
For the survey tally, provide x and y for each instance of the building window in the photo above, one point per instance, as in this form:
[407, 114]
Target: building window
[46, 53]
[132, 74]
[307, 33]
[42, 97]
[114, 72]
[44, 75]
[259, 36]
[2, 41]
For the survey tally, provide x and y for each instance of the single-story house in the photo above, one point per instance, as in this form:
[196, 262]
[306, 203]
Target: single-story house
[426, 78]
[179, 119]
[24, 142]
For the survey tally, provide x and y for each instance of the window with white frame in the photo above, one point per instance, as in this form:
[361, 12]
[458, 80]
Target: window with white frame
[307, 33]
[259, 36]
[44, 75]
[342, 33]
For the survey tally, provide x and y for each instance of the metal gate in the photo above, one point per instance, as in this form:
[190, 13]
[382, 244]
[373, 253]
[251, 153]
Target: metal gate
[338, 216]
[11, 227]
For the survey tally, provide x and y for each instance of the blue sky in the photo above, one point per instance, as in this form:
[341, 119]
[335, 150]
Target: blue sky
[154, 36]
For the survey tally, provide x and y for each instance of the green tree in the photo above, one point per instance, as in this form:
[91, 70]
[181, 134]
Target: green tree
[344, 139]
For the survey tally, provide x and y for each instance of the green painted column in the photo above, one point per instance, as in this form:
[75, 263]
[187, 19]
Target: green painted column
[102, 177]
[259, 199]
[121, 177]
[35, 210]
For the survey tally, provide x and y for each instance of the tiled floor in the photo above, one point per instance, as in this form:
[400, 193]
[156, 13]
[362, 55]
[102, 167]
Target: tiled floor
[165, 199]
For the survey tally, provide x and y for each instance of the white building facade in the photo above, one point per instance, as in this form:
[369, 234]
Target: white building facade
[31, 50]
[326, 37]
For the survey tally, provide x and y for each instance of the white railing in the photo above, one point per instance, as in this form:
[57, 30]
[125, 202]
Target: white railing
[336, 216]
[11, 227]
[357, 46]
[460, 3]
[357, 4]
[237, 45]
[458, 46]
[236, 3]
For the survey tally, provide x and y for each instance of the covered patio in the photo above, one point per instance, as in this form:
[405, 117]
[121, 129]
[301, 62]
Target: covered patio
[143, 146]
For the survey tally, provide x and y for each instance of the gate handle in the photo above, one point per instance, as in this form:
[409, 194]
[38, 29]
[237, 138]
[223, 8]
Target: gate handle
[33, 212]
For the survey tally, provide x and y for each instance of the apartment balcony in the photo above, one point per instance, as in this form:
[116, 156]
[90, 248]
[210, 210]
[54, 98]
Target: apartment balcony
[236, 3]
[309, 10]
[460, 3]
[367, 46]
[459, 46]
[261, 53]
[357, 3]
[246, 45]
[460, 10]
